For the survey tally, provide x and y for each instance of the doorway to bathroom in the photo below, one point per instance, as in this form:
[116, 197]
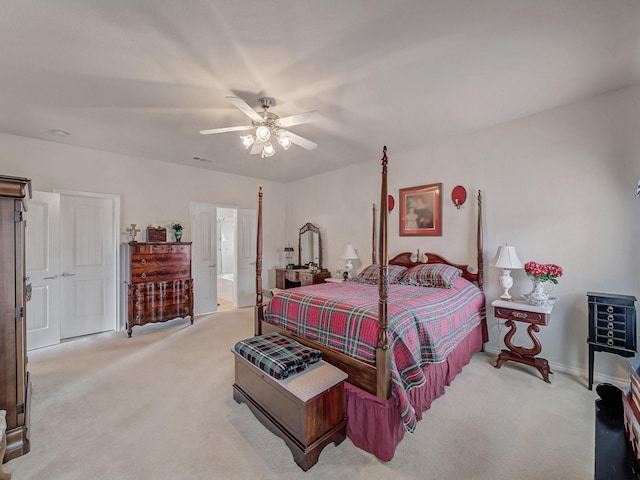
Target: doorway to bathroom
[223, 257]
[226, 269]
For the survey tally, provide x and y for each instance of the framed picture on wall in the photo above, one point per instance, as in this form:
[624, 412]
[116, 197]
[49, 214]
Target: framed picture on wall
[421, 211]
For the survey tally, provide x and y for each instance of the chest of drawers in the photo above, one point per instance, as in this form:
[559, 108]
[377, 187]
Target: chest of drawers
[159, 287]
[612, 326]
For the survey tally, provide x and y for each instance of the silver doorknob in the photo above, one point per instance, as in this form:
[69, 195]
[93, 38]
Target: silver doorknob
[50, 278]
[213, 265]
[65, 274]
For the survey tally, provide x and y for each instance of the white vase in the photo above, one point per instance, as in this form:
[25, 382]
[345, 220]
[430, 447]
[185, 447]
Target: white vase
[539, 296]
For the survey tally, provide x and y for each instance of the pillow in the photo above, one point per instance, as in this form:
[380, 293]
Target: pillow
[371, 274]
[436, 275]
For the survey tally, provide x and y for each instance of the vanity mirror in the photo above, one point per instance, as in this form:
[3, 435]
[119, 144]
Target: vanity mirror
[309, 270]
[310, 246]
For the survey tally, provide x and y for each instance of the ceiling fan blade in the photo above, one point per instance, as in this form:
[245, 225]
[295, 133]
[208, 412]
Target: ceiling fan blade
[257, 147]
[226, 129]
[246, 109]
[303, 142]
[298, 119]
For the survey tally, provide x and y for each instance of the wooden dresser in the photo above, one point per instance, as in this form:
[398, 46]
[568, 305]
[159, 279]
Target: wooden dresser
[15, 387]
[159, 287]
[291, 277]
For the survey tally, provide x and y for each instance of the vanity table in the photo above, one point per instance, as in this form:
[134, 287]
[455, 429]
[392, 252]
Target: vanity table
[309, 253]
[291, 278]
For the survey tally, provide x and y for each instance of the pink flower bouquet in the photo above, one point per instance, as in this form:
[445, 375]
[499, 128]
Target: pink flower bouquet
[543, 271]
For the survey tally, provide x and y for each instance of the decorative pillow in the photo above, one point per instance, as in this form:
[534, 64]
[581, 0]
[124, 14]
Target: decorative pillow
[436, 275]
[371, 274]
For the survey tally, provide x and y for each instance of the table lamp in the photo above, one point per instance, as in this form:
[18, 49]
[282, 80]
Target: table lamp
[348, 254]
[507, 259]
[288, 253]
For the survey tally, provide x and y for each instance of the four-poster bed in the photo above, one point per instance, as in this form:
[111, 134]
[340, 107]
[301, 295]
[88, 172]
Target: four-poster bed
[396, 365]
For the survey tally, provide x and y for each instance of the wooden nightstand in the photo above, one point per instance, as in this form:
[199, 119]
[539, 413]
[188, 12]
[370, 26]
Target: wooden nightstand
[523, 312]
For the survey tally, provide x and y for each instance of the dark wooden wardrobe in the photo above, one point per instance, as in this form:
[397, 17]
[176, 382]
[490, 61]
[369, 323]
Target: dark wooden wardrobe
[14, 378]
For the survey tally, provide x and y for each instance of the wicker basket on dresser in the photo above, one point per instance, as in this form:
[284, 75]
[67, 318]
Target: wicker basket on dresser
[159, 287]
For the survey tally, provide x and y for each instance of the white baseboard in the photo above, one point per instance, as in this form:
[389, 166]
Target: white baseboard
[577, 372]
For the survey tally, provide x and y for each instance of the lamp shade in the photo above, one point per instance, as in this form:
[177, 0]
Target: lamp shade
[507, 258]
[349, 253]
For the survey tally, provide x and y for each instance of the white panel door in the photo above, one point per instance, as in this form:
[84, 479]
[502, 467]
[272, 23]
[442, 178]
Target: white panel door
[246, 231]
[43, 270]
[204, 257]
[88, 265]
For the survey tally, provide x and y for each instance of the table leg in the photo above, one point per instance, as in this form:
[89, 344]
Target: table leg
[523, 355]
[591, 352]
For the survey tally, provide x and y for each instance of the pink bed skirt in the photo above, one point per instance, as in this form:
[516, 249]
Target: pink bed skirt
[375, 425]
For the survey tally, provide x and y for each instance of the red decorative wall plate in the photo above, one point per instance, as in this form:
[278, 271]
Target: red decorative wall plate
[458, 196]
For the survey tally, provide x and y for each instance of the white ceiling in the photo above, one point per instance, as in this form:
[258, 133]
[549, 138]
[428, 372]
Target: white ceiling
[142, 77]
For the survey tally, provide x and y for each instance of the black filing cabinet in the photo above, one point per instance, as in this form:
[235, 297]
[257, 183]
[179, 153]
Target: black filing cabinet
[612, 326]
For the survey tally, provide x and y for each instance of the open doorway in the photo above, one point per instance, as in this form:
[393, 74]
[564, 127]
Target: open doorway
[226, 257]
[223, 257]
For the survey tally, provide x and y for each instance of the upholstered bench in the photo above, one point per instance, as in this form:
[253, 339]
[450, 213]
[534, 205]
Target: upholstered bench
[305, 409]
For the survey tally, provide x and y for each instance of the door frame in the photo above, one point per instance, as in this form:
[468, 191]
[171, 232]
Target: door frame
[235, 253]
[115, 200]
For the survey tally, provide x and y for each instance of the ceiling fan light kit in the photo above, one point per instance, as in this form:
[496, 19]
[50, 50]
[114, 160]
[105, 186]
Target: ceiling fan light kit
[268, 150]
[247, 140]
[266, 126]
[284, 141]
[263, 133]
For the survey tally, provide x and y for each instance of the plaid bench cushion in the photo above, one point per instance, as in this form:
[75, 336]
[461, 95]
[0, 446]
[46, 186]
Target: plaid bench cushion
[277, 355]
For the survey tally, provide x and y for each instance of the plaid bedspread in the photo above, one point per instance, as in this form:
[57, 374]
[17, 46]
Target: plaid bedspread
[277, 355]
[425, 324]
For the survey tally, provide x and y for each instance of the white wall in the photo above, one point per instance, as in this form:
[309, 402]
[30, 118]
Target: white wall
[150, 191]
[558, 185]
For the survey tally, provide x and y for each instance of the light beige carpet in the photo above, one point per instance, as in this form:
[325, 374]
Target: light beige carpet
[159, 406]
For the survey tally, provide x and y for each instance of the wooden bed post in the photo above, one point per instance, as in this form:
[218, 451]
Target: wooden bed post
[479, 244]
[383, 353]
[259, 312]
[373, 237]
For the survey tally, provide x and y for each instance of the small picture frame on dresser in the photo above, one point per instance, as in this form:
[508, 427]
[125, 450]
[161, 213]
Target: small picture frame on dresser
[156, 234]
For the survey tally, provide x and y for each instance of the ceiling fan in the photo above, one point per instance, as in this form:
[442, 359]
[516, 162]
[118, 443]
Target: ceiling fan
[268, 126]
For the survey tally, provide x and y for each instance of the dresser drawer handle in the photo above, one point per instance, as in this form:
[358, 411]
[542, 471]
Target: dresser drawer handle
[610, 326]
[610, 342]
[609, 309]
[144, 275]
[610, 318]
[522, 315]
[610, 333]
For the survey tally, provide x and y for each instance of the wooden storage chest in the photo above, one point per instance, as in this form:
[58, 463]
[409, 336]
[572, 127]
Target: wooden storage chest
[306, 410]
[156, 235]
